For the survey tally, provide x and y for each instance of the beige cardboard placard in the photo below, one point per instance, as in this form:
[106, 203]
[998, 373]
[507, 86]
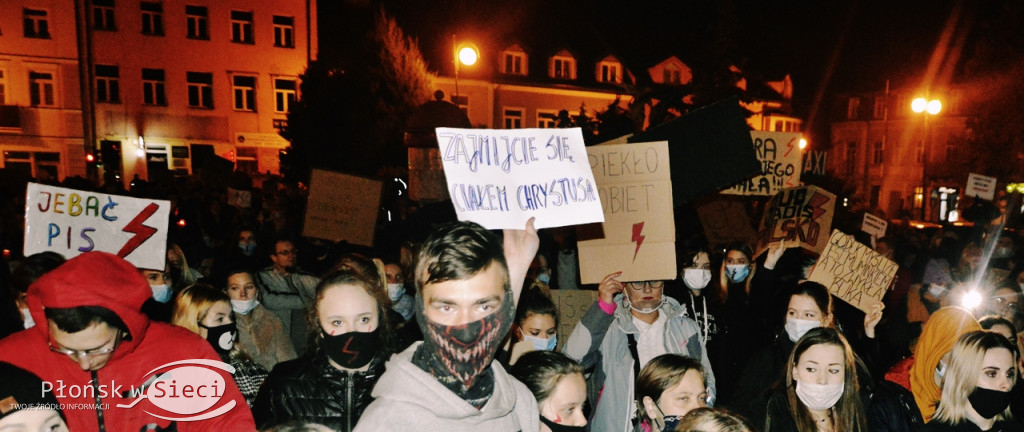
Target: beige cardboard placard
[802, 214]
[342, 207]
[70, 222]
[426, 175]
[638, 234]
[725, 221]
[781, 164]
[572, 305]
[852, 271]
[874, 225]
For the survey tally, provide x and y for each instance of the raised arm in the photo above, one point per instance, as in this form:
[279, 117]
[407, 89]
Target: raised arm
[520, 248]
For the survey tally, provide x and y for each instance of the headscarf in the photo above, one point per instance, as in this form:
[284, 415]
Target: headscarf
[938, 336]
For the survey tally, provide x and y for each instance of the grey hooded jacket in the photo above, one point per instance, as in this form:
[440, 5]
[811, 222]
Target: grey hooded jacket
[599, 343]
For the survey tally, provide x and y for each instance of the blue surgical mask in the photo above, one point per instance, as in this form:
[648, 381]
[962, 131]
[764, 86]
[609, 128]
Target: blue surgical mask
[541, 344]
[544, 278]
[737, 272]
[395, 291]
[161, 293]
[247, 248]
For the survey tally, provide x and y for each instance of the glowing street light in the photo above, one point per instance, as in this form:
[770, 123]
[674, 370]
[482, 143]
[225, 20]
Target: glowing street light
[931, 107]
[465, 54]
[803, 143]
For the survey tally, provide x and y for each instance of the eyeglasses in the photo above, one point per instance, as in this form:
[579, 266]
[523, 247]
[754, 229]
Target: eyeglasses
[288, 252]
[639, 286]
[77, 355]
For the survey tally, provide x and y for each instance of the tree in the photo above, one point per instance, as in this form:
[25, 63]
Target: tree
[356, 99]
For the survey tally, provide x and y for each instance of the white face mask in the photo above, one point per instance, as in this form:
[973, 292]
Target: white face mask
[541, 344]
[647, 310]
[244, 306]
[161, 293]
[796, 328]
[696, 279]
[819, 396]
[395, 291]
[936, 290]
[26, 318]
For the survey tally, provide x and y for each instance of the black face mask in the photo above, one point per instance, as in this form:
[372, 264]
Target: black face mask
[555, 427]
[989, 403]
[352, 350]
[222, 337]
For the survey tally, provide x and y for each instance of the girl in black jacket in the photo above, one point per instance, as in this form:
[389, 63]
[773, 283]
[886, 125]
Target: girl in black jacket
[332, 384]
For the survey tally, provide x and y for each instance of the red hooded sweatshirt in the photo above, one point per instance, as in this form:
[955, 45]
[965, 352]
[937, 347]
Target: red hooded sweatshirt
[103, 279]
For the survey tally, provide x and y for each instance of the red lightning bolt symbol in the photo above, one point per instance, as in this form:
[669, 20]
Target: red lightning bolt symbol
[142, 232]
[815, 203]
[639, 239]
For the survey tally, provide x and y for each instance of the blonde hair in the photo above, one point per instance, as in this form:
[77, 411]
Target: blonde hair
[713, 420]
[962, 374]
[193, 303]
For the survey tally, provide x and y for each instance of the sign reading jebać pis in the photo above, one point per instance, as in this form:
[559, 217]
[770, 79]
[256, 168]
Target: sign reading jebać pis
[70, 222]
[500, 178]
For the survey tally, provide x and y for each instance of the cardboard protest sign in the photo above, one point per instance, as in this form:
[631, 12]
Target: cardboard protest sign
[725, 220]
[500, 178]
[852, 271]
[780, 159]
[426, 175]
[70, 222]
[572, 305]
[711, 148]
[802, 214]
[638, 234]
[342, 207]
[981, 186]
[874, 225]
[239, 198]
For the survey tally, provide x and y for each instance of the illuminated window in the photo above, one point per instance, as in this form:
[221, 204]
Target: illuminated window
[284, 95]
[103, 15]
[609, 72]
[200, 89]
[513, 118]
[243, 90]
[153, 87]
[37, 25]
[152, 19]
[879, 111]
[107, 86]
[247, 160]
[852, 108]
[547, 119]
[563, 67]
[241, 27]
[40, 89]
[514, 63]
[197, 22]
[284, 31]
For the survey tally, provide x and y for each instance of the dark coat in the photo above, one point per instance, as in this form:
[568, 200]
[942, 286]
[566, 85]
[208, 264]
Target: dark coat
[310, 389]
[893, 409]
[966, 426]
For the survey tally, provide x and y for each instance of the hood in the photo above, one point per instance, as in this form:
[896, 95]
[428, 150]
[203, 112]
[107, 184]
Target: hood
[406, 383]
[93, 279]
[937, 338]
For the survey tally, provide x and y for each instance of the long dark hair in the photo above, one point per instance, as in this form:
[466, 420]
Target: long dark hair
[542, 370]
[848, 412]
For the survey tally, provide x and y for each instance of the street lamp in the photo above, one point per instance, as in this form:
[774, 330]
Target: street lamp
[929, 108]
[466, 54]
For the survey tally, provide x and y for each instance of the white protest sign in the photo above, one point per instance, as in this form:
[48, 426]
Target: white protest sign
[70, 222]
[981, 186]
[500, 178]
[874, 225]
[781, 160]
[852, 271]
[638, 235]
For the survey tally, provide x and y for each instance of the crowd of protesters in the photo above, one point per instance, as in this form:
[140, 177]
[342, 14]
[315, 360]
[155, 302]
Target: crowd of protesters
[446, 326]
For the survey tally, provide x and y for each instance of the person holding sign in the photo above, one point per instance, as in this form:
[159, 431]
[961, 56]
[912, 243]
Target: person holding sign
[630, 324]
